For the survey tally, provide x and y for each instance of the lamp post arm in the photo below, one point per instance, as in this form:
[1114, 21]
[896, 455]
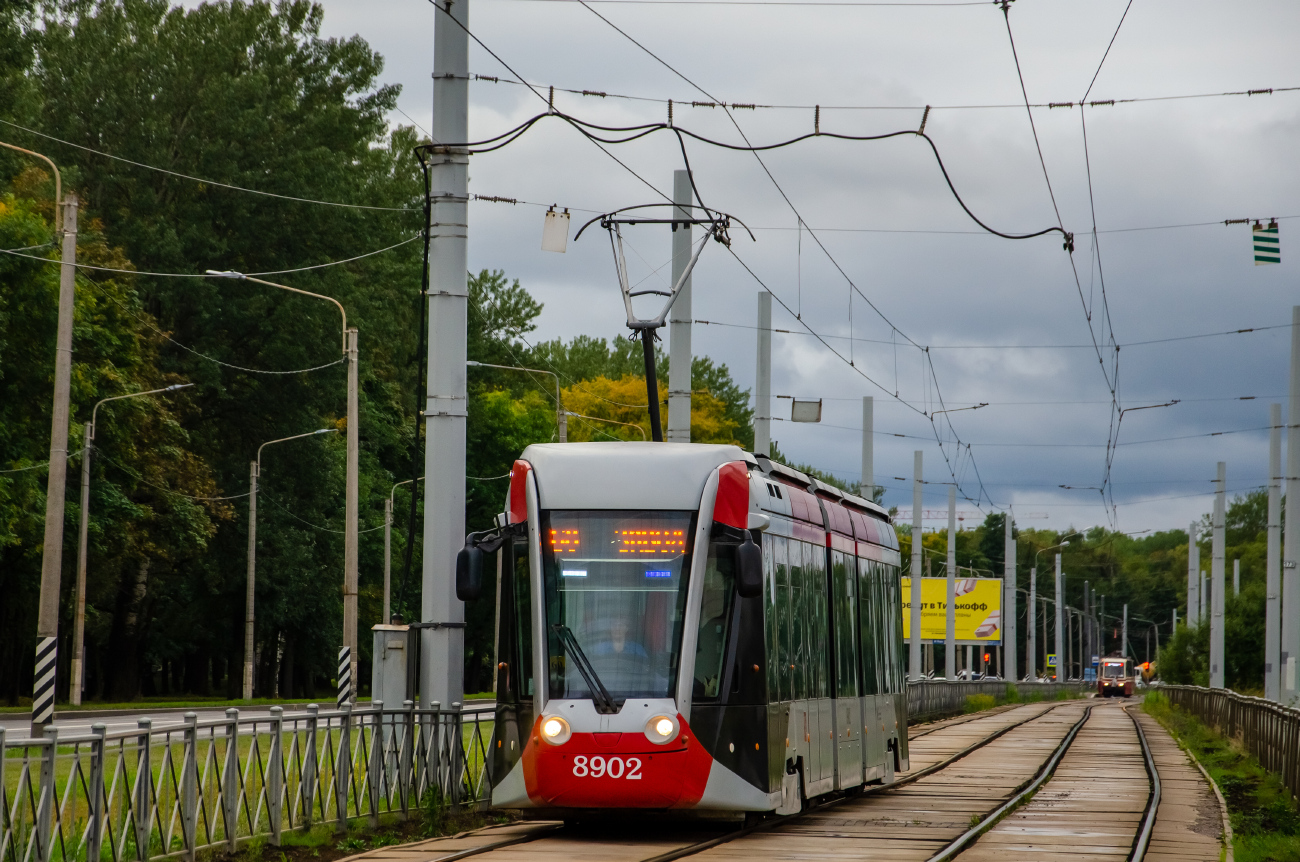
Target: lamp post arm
[95, 410]
[58, 182]
[284, 439]
[239, 275]
[398, 485]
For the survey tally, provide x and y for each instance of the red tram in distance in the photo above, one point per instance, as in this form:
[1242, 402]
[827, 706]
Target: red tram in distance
[688, 627]
[1115, 677]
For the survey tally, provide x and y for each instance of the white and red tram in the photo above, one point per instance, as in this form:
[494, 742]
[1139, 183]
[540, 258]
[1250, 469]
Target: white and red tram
[651, 656]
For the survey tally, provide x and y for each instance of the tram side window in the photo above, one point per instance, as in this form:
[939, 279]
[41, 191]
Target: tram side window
[715, 618]
[884, 628]
[785, 637]
[867, 629]
[818, 639]
[843, 580]
[894, 576]
[770, 629]
[798, 622]
[523, 592]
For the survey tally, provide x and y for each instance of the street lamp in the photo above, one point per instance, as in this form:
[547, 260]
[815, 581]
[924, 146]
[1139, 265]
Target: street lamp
[79, 619]
[255, 472]
[388, 548]
[1031, 652]
[561, 417]
[351, 492]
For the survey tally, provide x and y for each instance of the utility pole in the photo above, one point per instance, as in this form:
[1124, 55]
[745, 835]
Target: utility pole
[763, 389]
[1205, 593]
[350, 511]
[1236, 576]
[1124, 642]
[679, 318]
[867, 487]
[442, 646]
[1087, 626]
[1273, 573]
[47, 621]
[918, 552]
[250, 588]
[1060, 614]
[1217, 595]
[1193, 579]
[1009, 603]
[1031, 646]
[950, 636]
[1290, 647]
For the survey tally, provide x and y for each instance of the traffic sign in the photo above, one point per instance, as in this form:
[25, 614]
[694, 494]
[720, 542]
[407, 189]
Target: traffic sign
[1051, 659]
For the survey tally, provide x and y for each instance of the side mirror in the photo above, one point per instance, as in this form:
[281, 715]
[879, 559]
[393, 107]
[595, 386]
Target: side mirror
[749, 569]
[469, 573]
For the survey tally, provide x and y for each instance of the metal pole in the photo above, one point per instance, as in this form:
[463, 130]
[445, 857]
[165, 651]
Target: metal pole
[1236, 576]
[350, 508]
[950, 631]
[1217, 561]
[250, 589]
[1290, 646]
[652, 384]
[47, 621]
[443, 648]
[1205, 594]
[918, 552]
[867, 487]
[1086, 620]
[1031, 646]
[1273, 573]
[1060, 611]
[679, 319]
[763, 387]
[1009, 604]
[1193, 579]
[388, 559]
[1124, 642]
[77, 675]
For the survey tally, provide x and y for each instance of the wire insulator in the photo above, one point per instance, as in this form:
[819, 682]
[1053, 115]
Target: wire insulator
[550, 100]
[670, 112]
[925, 116]
[817, 119]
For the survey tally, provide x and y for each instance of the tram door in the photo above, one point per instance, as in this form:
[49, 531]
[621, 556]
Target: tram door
[848, 708]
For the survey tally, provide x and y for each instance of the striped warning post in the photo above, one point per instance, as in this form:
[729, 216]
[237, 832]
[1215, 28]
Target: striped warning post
[1267, 247]
[345, 675]
[43, 690]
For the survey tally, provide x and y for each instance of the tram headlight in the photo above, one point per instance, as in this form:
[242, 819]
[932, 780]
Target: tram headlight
[555, 730]
[661, 729]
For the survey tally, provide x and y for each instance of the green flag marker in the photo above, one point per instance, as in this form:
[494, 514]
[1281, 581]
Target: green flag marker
[1267, 249]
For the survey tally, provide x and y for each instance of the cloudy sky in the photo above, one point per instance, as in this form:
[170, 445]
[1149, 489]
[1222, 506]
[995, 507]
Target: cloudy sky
[1005, 321]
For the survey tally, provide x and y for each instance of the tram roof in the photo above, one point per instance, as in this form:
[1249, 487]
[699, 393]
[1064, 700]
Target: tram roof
[626, 475]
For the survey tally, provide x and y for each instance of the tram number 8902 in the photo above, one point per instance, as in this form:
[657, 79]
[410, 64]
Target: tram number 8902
[613, 767]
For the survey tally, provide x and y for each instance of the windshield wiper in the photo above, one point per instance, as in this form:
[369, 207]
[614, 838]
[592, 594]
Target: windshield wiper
[599, 694]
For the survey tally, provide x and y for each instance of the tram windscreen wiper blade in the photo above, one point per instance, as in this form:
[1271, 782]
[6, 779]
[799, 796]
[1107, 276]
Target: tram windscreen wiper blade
[603, 699]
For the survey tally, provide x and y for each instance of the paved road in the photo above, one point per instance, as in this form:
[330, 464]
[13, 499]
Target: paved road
[18, 725]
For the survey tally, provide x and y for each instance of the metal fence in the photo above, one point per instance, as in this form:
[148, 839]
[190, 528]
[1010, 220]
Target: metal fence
[927, 698]
[1267, 730]
[178, 788]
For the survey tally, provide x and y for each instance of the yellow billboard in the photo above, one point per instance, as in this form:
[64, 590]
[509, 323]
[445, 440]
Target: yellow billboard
[977, 614]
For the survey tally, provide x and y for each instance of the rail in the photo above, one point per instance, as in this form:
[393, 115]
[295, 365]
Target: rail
[928, 698]
[1269, 731]
[170, 791]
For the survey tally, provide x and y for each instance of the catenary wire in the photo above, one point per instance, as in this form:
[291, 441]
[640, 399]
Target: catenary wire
[99, 455]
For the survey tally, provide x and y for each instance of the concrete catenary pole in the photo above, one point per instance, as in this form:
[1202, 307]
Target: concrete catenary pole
[950, 624]
[388, 561]
[1193, 577]
[250, 586]
[351, 509]
[1205, 595]
[1123, 650]
[679, 320]
[918, 553]
[1217, 579]
[442, 648]
[1290, 648]
[867, 487]
[47, 620]
[77, 672]
[1236, 576]
[1060, 611]
[1009, 603]
[1273, 572]
[1087, 625]
[1031, 640]
[763, 387]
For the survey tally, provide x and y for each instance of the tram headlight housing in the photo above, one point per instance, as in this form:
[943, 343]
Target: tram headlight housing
[661, 729]
[555, 730]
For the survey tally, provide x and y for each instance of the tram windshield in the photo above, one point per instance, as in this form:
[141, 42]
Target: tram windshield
[1112, 671]
[616, 590]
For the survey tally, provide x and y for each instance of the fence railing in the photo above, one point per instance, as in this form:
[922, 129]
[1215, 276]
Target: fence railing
[930, 697]
[1269, 731]
[172, 790]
